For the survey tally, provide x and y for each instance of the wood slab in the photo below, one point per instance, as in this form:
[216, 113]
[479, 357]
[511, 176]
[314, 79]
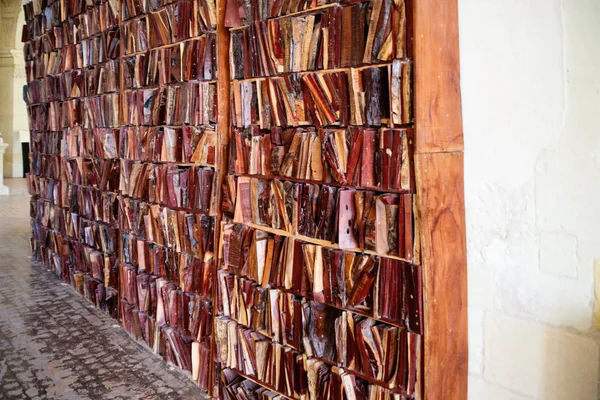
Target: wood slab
[440, 188]
[437, 104]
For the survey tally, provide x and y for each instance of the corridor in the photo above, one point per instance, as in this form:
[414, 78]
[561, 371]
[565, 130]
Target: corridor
[53, 344]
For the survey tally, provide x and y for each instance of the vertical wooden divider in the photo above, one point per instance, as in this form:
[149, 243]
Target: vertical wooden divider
[440, 198]
[437, 103]
[223, 131]
[122, 108]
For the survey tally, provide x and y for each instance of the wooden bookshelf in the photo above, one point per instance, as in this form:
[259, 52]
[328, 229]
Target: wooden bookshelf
[324, 70]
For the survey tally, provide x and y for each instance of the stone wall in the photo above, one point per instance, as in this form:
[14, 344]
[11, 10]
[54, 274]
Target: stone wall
[531, 98]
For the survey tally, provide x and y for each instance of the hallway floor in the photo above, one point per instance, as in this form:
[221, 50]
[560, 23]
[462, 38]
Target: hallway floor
[53, 343]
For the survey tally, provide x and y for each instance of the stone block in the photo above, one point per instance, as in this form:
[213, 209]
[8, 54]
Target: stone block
[480, 389]
[538, 361]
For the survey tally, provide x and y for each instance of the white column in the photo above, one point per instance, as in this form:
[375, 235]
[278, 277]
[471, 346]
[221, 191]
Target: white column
[3, 188]
[12, 112]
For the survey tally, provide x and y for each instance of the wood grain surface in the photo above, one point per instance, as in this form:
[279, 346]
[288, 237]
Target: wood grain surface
[439, 166]
[438, 115]
[223, 129]
[440, 189]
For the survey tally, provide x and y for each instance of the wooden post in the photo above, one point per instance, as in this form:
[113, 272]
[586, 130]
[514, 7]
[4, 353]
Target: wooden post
[223, 132]
[440, 198]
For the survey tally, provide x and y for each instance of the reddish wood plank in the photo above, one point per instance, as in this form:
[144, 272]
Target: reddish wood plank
[440, 188]
[437, 105]
[223, 107]
[223, 130]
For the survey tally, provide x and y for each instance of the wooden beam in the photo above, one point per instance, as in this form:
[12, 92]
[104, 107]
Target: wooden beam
[437, 103]
[443, 256]
[222, 151]
[439, 166]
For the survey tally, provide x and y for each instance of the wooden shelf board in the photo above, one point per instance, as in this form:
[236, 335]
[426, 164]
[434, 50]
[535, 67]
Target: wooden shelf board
[320, 242]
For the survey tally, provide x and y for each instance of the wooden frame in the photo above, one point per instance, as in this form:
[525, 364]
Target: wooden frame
[440, 193]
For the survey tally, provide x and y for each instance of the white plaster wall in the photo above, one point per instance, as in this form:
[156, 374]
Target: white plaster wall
[531, 108]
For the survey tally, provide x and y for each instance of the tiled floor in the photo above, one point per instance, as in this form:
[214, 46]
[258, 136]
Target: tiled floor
[53, 344]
